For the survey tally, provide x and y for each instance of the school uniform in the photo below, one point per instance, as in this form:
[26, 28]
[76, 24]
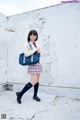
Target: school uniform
[34, 68]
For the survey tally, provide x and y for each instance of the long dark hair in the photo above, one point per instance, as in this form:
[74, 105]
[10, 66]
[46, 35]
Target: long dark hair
[34, 32]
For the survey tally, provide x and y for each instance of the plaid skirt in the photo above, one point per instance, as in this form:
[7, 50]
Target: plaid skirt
[35, 68]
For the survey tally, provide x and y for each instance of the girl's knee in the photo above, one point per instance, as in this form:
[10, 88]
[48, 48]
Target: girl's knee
[34, 79]
[33, 82]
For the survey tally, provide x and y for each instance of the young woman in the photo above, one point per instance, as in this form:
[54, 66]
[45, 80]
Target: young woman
[34, 69]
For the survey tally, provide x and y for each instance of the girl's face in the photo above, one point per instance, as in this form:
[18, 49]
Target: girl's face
[32, 38]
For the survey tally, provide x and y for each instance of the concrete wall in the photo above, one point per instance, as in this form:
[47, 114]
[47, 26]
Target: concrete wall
[3, 50]
[58, 27]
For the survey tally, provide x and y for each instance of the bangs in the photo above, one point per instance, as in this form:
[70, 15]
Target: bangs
[32, 32]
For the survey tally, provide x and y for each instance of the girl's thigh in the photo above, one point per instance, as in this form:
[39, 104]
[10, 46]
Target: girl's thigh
[38, 77]
[34, 79]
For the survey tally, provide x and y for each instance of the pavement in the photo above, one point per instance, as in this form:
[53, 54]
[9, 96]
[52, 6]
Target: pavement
[51, 107]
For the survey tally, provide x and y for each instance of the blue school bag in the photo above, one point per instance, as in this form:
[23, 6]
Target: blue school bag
[33, 59]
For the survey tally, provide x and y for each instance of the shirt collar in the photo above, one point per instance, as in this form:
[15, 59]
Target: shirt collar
[32, 42]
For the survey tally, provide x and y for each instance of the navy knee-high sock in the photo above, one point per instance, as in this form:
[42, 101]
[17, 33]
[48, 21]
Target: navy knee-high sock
[36, 86]
[26, 88]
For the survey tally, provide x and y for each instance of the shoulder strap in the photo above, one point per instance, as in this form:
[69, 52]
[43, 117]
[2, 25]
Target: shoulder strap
[30, 46]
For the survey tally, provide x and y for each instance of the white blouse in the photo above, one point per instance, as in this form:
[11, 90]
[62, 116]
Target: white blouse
[28, 51]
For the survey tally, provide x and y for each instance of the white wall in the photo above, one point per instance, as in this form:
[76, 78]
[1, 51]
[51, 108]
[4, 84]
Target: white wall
[3, 50]
[58, 27]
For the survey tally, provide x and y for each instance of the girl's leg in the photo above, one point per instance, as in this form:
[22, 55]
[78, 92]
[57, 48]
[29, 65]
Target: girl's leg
[36, 87]
[38, 77]
[33, 79]
[26, 87]
[20, 94]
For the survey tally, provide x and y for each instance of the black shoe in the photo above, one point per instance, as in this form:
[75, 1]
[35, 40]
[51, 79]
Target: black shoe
[18, 98]
[36, 98]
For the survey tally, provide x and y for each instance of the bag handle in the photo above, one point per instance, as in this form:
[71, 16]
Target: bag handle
[30, 46]
[31, 49]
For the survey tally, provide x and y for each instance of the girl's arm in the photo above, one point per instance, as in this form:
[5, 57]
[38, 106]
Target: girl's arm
[29, 52]
[40, 49]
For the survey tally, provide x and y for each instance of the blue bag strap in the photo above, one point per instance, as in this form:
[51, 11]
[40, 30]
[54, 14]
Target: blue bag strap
[31, 55]
[30, 46]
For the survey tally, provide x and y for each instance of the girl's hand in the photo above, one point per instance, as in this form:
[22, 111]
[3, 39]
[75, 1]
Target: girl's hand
[38, 49]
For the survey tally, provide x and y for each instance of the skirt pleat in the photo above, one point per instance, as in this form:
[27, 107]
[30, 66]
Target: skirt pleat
[35, 68]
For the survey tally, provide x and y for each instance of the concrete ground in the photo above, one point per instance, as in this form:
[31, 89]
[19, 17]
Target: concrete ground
[51, 107]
